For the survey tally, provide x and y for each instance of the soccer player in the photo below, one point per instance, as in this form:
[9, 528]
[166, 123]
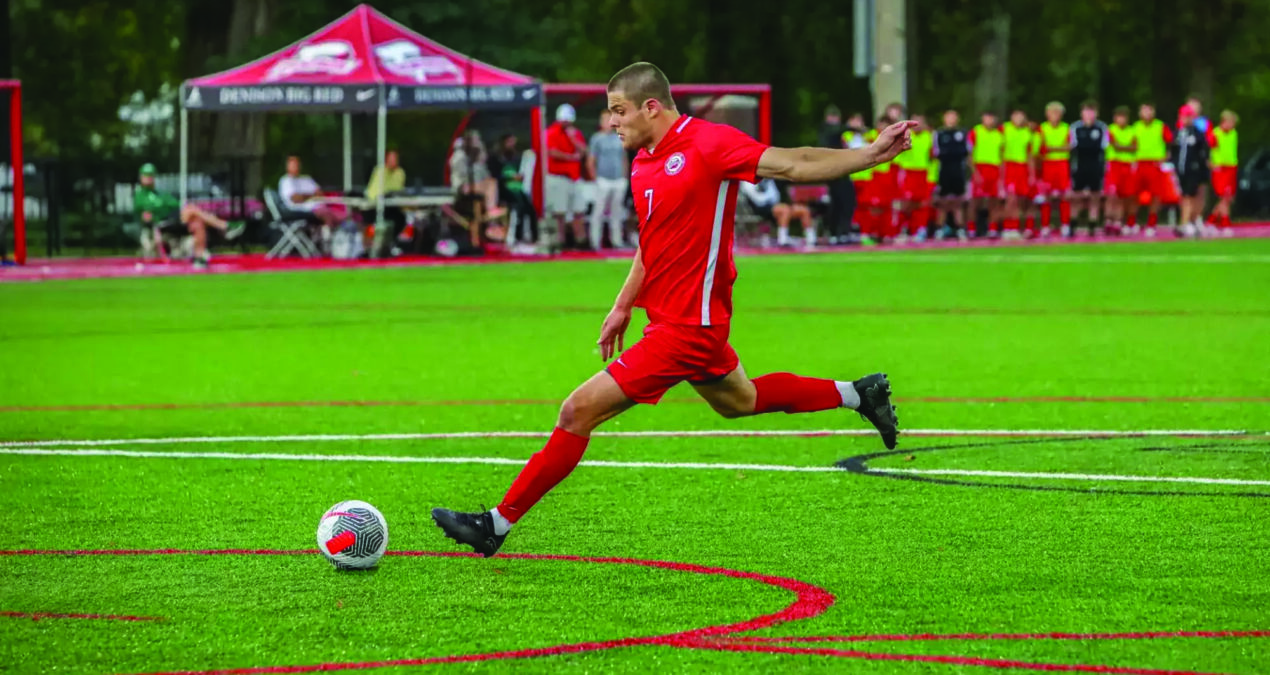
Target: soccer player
[1056, 172]
[1154, 138]
[1019, 172]
[1224, 140]
[1190, 155]
[684, 179]
[952, 149]
[1121, 184]
[986, 143]
[884, 188]
[1089, 147]
[914, 168]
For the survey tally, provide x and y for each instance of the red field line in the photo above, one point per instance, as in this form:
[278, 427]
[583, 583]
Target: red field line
[923, 637]
[810, 601]
[224, 405]
[953, 660]
[39, 616]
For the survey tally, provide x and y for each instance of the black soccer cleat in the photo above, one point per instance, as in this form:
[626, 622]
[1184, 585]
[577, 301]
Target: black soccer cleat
[473, 529]
[875, 406]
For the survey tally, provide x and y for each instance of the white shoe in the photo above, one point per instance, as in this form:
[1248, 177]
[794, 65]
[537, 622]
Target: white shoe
[1227, 231]
[1186, 230]
[1149, 233]
[902, 238]
[1065, 231]
[1011, 235]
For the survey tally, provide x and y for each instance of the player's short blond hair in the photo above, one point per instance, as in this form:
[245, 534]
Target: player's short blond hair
[1055, 105]
[642, 81]
[1229, 114]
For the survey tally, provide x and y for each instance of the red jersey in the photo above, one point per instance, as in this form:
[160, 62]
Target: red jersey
[570, 142]
[685, 196]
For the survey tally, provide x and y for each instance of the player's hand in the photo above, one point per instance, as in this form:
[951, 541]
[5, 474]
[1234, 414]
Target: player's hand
[892, 141]
[613, 332]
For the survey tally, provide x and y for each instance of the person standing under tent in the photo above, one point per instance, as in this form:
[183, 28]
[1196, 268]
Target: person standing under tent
[1090, 138]
[566, 149]
[1224, 140]
[506, 167]
[607, 161]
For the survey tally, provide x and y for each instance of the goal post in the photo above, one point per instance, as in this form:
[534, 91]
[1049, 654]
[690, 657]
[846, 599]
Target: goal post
[13, 183]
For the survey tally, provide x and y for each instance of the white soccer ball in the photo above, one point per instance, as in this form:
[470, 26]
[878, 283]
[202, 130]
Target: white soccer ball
[353, 535]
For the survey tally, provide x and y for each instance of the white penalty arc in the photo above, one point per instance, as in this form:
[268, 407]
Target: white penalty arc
[686, 433]
[1072, 476]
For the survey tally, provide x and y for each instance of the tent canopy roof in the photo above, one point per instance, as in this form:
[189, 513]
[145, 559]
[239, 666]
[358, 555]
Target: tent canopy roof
[357, 62]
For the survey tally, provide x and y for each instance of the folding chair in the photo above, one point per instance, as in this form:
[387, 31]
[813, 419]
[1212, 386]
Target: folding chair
[292, 230]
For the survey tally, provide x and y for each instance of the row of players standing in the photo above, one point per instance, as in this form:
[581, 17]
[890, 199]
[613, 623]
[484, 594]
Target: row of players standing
[1006, 179]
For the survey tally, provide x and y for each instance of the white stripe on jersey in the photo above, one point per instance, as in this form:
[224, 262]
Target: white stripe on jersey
[716, 235]
[683, 124]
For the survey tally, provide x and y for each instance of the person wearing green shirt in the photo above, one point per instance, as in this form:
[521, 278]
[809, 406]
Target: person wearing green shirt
[1020, 172]
[1122, 192]
[386, 179]
[1225, 160]
[915, 185]
[162, 212]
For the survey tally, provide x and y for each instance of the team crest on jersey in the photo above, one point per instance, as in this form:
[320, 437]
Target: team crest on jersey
[959, 137]
[1095, 134]
[675, 163]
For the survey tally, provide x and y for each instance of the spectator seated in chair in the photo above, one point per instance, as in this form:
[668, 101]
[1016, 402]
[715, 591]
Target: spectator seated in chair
[476, 191]
[387, 178]
[300, 194]
[768, 201]
[163, 214]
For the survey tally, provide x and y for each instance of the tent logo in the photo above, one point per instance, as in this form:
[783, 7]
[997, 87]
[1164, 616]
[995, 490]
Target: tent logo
[331, 57]
[405, 58]
[195, 99]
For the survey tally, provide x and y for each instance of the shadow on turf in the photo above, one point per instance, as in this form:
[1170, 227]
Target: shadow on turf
[859, 464]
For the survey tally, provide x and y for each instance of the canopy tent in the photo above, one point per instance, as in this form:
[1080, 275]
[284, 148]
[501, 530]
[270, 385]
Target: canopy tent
[364, 62]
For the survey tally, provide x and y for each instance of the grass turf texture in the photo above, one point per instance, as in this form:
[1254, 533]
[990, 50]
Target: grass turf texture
[1151, 321]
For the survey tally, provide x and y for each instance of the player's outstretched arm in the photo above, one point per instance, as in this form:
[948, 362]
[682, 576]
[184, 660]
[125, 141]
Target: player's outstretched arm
[813, 165]
[613, 332]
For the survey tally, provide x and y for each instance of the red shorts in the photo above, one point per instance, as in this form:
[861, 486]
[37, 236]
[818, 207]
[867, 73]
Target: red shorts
[987, 181]
[916, 185]
[1121, 180]
[885, 187]
[1153, 181]
[1018, 182]
[669, 354]
[1225, 178]
[1056, 174]
[862, 190]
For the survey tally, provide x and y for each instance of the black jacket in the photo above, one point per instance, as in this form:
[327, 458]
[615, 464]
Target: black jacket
[1190, 151]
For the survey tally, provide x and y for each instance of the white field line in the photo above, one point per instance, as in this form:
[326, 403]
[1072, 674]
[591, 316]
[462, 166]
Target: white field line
[70, 452]
[918, 256]
[1074, 476]
[707, 433]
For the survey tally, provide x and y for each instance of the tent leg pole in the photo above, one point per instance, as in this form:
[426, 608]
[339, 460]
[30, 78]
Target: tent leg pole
[185, 154]
[348, 152]
[383, 234]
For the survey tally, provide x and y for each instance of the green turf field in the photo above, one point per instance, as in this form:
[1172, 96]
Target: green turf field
[1034, 532]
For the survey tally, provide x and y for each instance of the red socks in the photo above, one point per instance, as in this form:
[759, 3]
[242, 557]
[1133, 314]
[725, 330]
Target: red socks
[1011, 224]
[1065, 212]
[545, 469]
[1045, 214]
[1132, 220]
[1153, 219]
[790, 393]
